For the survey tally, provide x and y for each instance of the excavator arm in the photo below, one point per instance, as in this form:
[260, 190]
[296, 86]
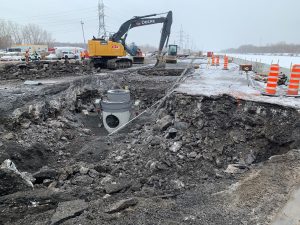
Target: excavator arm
[138, 21]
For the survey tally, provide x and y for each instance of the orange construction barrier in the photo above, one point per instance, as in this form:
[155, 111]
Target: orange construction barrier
[294, 81]
[217, 61]
[212, 60]
[225, 62]
[272, 79]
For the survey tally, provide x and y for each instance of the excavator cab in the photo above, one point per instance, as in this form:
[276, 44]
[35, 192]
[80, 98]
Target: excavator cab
[172, 54]
[137, 53]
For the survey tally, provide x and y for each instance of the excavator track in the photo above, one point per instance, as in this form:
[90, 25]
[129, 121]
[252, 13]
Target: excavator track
[123, 63]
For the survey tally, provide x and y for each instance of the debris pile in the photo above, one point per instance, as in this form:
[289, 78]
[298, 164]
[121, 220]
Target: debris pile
[160, 72]
[44, 69]
[197, 138]
[171, 167]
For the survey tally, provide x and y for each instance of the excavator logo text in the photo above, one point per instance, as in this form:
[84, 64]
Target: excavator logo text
[144, 22]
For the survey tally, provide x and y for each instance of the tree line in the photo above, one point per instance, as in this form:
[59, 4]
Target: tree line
[13, 33]
[281, 47]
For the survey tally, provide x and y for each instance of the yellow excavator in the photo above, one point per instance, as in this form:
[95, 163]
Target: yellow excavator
[112, 53]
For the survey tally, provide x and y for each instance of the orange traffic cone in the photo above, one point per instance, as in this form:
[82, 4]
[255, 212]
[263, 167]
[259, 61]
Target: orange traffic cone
[272, 79]
[225, 62]
[294, 81]
[213, 60]
[217, 61]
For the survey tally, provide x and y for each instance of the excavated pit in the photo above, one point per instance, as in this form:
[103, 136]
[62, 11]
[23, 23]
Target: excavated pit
[166, 160]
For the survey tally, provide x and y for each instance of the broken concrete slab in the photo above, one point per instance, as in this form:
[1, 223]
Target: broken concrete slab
[68, 210]
[32, 82]
[12, 180]
[112, 188]
[121, 205]
[45, 173]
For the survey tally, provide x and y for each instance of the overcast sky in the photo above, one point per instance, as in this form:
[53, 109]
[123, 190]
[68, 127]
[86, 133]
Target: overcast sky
[210, 24]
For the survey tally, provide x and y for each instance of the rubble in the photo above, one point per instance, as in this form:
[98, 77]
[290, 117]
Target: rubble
[67, 210]
[186, 164]
[43, 69]
[160, 72]
[12, 180]
[121, 205]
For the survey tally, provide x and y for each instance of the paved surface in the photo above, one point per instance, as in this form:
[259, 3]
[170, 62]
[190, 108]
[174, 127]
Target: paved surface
[214, 81]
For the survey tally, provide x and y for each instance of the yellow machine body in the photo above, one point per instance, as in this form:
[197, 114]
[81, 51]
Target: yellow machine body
[102, 48]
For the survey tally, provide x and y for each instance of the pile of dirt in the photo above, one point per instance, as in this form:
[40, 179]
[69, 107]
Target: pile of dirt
[160, 72]
[44, 69]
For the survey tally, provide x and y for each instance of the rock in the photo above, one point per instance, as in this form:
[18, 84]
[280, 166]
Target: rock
[121, 205]
[8, 136]
[164, 122]
[177, 184]
[55, 124]
[12, 180]
[82, 180]
[155, 141]
[181, 125]
[176, 146]
[26, 125]
[68, 210]
[237, 136]
[189, 218]
[64, 138]
[106, 180]
[172, 133]
[200, 124]
[250, 158]
[235, 168]
[119, 158]
[219, 162]
[83, 170]
[93, 173]
[45, 173]
[192, 155]
[106, 196]
[112, 188]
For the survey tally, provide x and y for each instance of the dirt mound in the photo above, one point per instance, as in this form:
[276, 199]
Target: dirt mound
[160, 72]
[43, 69]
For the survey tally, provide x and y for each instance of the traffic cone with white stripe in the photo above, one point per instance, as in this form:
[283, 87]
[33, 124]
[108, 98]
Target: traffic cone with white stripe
[271, 88]
[293, 88]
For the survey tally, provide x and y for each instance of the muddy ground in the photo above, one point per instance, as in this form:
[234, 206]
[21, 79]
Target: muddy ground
[197, 160]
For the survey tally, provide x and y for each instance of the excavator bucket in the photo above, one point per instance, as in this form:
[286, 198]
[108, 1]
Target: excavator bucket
[160, 62]
[138, 60]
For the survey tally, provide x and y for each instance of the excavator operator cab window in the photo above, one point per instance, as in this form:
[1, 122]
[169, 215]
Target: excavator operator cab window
[172, 50]
[103, 42]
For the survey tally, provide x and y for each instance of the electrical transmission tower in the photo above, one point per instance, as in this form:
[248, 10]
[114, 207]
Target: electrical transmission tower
[101, 15]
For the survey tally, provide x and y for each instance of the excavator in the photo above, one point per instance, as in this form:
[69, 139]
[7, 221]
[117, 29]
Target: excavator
[112, 53]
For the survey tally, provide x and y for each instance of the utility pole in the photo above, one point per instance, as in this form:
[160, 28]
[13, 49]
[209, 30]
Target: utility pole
[81, 22]
[101, 18]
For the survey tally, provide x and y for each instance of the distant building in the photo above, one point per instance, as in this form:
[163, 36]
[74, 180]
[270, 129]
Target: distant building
[31, 48]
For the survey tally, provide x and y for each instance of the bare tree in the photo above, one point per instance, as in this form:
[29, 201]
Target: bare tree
[13, 33]
[5, 37]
